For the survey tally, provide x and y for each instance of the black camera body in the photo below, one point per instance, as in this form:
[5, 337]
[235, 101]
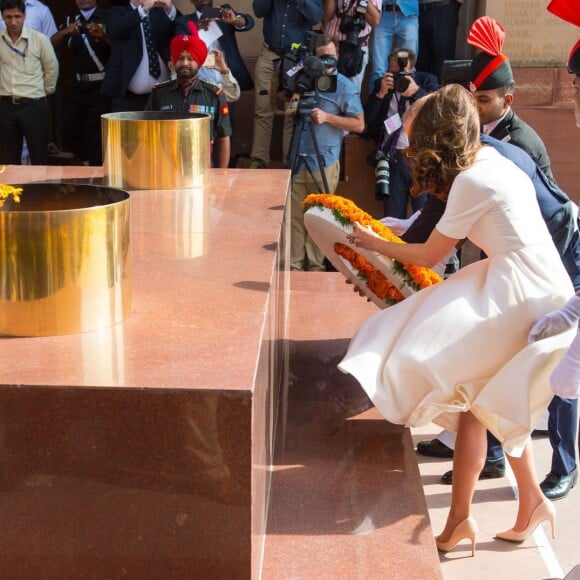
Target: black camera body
[381, 161]
[301, 72]
[401, 77]
[82, 27]
[212, 12]
[352, 26]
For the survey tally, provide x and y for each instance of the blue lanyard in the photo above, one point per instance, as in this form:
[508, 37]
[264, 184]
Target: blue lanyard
[16, 50]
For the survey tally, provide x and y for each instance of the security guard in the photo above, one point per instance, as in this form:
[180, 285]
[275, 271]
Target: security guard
[187, 93]
[85, 34]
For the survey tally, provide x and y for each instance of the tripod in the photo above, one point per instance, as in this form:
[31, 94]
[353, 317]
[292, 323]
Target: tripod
[303, 123]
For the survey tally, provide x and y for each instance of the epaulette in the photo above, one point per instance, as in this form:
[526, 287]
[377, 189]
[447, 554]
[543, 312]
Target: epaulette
[217, 90]
[163, 84]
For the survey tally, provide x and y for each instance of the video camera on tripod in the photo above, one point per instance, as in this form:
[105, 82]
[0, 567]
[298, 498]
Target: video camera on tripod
[301, 72]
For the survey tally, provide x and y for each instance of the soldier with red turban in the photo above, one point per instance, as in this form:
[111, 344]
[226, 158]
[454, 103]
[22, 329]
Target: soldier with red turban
[189, 94]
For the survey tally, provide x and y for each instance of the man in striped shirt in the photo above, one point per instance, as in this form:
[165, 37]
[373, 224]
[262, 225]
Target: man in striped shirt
[351, 21]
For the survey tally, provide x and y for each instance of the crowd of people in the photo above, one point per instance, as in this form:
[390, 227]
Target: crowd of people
[479, 172]
[120, 53]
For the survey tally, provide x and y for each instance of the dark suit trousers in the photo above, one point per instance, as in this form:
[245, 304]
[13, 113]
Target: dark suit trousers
[395, 205]
[562, 429]
[28, 119]
[129, 102]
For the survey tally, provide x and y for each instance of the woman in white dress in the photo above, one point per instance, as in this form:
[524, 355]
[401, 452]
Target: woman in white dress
[457, 353]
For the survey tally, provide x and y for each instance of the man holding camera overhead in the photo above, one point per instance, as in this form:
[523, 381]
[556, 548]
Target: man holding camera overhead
[85, 34]
[332, 112]
[218, 28]
[384, 110]
[140, 34]
[352, 22]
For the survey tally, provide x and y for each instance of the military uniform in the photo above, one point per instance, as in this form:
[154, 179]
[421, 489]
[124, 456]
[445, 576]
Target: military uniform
[82, 121]
[202, 98]
[517, 132]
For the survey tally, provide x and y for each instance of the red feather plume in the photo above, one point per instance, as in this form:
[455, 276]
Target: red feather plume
[193, 30]
[568, 10]
[487, 34]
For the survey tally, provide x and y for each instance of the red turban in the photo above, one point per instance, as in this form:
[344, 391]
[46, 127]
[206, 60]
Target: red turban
[192, 44]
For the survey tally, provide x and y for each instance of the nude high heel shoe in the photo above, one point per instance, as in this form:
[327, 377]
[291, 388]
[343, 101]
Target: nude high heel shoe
[544, 511]
[466, 529]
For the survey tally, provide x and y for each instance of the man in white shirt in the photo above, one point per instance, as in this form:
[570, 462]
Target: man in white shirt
[28, 73]
[38, 17]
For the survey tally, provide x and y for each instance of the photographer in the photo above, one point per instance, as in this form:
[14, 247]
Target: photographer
[333, 114]
[85, 34]
[352, 22]
[284, 24]
[384, 110]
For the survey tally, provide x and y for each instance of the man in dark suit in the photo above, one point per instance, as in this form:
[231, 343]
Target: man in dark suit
[229, 22]
[140, 34]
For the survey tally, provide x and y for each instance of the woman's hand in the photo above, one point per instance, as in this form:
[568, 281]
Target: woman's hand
[357, 290]
[365, 237]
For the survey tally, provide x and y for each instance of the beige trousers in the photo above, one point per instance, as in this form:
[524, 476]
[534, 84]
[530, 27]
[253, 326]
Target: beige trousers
[264, 109]
[304, 253]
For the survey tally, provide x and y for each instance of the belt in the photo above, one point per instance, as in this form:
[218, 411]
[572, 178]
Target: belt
[278, 51]
[21, 100]
[391, 8]
[90, 77]
[438, 4]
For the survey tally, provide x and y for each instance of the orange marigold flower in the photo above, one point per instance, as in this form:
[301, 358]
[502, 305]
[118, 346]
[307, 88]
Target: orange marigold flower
[348, 212]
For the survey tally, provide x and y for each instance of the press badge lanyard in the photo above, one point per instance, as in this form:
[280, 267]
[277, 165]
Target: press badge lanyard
[17, 50]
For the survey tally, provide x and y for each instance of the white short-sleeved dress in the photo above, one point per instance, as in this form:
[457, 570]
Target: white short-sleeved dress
[462, 344]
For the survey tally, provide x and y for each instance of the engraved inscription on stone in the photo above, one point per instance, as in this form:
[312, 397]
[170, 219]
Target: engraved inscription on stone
[534, 36]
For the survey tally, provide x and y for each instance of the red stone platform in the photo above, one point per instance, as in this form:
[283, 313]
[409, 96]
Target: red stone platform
[142, 451]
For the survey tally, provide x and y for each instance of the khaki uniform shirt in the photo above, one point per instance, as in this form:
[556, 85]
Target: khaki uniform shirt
[28, 67]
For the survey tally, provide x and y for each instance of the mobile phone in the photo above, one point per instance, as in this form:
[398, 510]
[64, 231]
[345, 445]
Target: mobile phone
[211, 13]
[210, 60]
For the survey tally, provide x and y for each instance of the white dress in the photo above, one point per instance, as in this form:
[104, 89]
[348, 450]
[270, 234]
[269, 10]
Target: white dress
[462, 344]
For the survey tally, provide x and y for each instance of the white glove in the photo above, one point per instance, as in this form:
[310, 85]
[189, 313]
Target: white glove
[399, 227]
[565, 379]
[556, 321]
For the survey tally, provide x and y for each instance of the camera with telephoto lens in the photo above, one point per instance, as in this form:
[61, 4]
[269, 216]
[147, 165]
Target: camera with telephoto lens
[381, 161]
[301, 72]
[352, 26]
[401, 77]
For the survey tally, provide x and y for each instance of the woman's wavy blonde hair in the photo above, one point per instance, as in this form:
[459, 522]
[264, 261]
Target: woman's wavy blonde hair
[443, 140]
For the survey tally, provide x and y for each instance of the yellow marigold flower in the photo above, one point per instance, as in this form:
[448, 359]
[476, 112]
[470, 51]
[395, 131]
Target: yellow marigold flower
[7, 191]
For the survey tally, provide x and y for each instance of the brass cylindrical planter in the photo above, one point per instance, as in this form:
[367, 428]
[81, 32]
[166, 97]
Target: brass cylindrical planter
[156, 150]
[64, 260]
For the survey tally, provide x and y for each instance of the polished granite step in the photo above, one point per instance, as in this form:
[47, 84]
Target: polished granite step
[346, 498]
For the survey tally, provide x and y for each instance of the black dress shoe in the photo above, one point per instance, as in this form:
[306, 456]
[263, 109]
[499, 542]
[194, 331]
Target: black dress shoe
[493, 469]
[558, 486]
[434, 448]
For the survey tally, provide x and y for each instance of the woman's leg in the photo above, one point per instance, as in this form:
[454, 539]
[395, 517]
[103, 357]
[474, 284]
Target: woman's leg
[468, 461]
[529, 490]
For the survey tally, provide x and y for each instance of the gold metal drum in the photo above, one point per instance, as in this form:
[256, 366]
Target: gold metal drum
[156, 150]
[64, 260]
